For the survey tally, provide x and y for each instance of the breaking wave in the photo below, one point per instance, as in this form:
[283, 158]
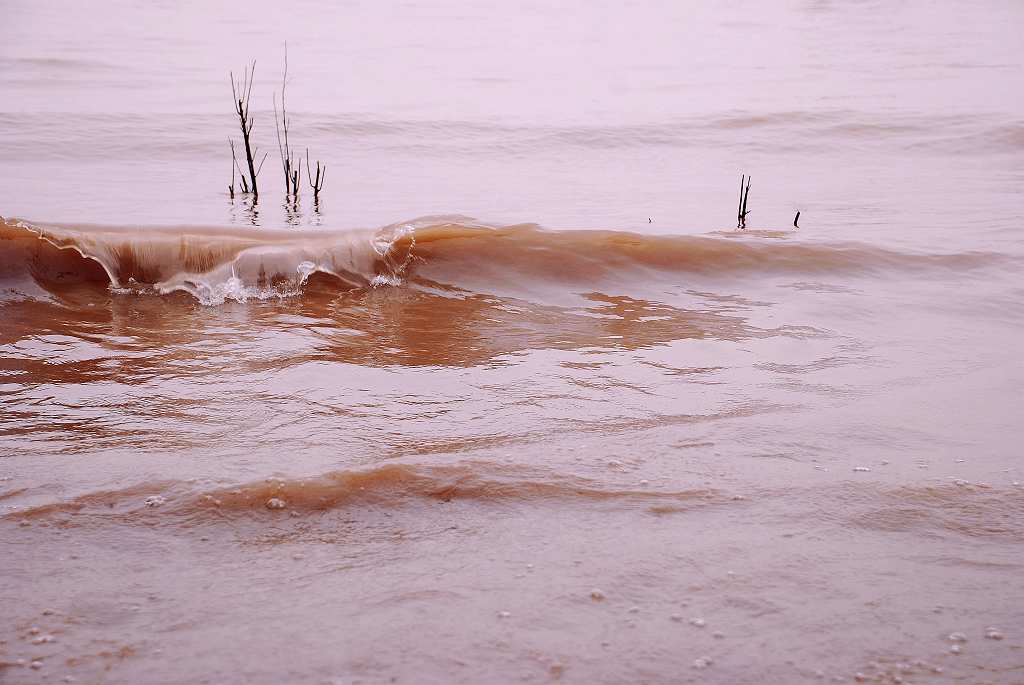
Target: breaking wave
[218, 264]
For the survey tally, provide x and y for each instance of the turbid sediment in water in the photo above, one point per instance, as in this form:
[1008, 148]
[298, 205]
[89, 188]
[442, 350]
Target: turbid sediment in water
[595, 435]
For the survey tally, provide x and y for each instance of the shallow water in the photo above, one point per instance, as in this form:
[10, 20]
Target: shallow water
[514, 401]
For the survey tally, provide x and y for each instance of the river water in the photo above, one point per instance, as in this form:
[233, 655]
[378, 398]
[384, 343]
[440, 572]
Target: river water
[513, 400]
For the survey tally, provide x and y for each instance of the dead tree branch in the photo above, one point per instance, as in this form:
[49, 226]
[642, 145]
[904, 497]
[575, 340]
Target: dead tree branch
[234, 163]
[741, 213]
[318, 183]
[241, 93]
[234, 160]
[289, 165]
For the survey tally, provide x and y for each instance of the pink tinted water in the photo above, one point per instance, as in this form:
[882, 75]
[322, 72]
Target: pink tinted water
[465, 452]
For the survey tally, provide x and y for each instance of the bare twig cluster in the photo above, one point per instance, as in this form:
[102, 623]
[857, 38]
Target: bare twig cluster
[291, 163]
[742, 211]
[241, 94]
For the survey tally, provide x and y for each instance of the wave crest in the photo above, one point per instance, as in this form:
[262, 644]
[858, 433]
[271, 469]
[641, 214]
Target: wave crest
[219, 264]
[212, 264]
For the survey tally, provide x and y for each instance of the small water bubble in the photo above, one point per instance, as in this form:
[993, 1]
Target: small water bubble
[634, 610]
[698, 622]
[956, 649]
[702, 662]
[597, 595]
[504, 614]
[860, 677]
[155, 501]
[993, 634]
[275, 503]
[36, 664]
[34, 630]
[957, 637]
[42, 639]
[861, 469]
[678, 618]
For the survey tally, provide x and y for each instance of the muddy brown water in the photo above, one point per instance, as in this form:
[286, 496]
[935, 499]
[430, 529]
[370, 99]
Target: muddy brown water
[514, 401]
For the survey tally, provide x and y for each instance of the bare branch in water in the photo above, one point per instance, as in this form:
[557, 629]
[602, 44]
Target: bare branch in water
[289, 165]
[315, 183]
[741, 215]
[241, 95]
[234, 163]
[739, 207]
